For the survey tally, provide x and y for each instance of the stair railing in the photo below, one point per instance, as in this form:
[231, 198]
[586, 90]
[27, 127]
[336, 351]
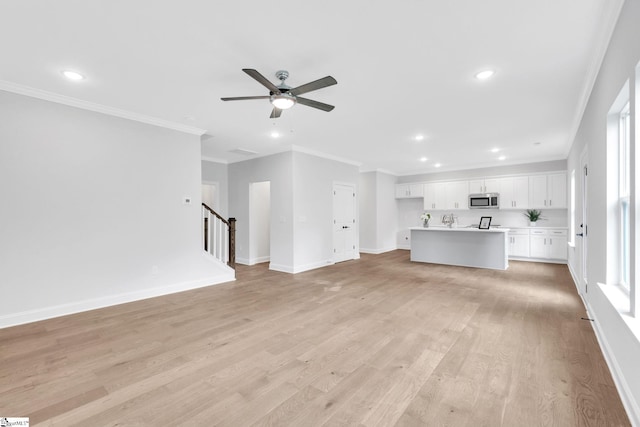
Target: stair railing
[219, 236]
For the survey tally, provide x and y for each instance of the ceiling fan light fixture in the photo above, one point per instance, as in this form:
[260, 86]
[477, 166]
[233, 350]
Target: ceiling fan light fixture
[283, 101]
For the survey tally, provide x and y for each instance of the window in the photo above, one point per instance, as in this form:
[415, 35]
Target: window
[624, 184]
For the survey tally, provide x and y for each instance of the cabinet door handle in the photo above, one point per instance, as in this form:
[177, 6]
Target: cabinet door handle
[550, 202]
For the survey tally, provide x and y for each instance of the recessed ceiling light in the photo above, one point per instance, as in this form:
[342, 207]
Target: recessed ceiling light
[483, 75]
[419, 137]
[73, 75]
[502, 157]
[423, 159]
[437, 165]
[537, 143]
[495, 150]
[275, 134]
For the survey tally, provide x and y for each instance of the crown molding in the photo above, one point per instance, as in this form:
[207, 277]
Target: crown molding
[299, 149]
[214, 159]
[98, 108]
[609, 22]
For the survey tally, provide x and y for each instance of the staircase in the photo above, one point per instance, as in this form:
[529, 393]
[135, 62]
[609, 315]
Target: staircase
[219, 236]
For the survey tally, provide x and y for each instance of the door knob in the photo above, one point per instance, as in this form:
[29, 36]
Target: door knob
[580, 234]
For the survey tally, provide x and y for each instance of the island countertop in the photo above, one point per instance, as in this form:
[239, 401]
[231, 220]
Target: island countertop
[471, 229]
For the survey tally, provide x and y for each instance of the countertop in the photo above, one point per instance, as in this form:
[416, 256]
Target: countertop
[458, 229]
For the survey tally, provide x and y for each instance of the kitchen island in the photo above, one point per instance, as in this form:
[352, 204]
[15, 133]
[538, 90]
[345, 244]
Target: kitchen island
[467, 247]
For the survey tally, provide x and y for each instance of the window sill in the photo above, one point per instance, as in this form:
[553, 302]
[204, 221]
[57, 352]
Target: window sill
[619, 298]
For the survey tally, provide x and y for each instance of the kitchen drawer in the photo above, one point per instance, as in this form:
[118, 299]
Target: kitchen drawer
[538, 232]
[518, 231]
[557, 232]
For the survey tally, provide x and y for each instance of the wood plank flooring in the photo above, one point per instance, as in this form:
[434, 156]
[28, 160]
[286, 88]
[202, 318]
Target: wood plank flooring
[380, 341]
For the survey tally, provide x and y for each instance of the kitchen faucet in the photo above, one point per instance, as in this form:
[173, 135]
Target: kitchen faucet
[449, 220]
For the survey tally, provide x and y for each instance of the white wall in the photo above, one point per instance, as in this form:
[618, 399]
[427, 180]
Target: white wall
[92, 211]
[367, 199]
[620, 345]
[378, 212]
[218, 173]
[301, 206]
[278, 170]
[313, 179]
[260, 221]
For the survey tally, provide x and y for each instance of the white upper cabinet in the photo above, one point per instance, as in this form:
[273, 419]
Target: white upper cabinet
[435, 196]
[548, 191]
[489, 185]
[457, 195]
[557, 190]
[514, 192]
[404, 191]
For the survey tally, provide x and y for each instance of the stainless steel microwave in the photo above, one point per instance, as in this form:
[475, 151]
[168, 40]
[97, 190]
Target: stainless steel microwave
[484, 201]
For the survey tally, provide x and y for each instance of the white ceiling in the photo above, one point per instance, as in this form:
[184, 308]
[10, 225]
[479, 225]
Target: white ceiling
[403, 68]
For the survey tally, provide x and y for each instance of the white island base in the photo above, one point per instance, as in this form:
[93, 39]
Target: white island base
[467, 247]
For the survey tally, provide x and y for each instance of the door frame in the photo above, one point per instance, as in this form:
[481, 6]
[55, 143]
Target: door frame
[356, 227]
[584, 190]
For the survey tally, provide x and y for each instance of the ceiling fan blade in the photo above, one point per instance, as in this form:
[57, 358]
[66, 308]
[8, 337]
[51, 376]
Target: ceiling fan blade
[243, 98]
[275, 113]
[262, 80]
[315, 85]
[314, 104]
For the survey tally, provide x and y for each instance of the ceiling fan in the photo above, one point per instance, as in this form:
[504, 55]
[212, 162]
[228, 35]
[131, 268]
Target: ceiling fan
[283, 96]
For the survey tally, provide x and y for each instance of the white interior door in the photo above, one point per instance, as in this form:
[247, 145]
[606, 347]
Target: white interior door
[344, 222]
[582, 229]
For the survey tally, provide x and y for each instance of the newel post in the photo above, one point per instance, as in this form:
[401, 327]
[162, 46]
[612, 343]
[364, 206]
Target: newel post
[232, 243]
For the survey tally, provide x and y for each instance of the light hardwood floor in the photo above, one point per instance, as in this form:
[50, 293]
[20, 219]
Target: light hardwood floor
[380, 341]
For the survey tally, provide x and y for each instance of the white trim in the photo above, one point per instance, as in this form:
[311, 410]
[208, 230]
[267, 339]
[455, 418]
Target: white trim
[214, 160]
[108, 301]
[630, 405]
[259, 260]
[574, 276]
[299, 268]
[99, 108]
[298, 149]
[243, 261]
[385, 171]
[608, 26]
[377, 251]
[281, 267]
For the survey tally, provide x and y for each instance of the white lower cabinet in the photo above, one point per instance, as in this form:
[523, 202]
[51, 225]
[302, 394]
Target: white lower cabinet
[548, 244]
[518, 242]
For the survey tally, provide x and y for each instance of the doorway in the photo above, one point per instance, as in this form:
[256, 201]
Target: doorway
[210, 196]
[344, 222]
[582, 229]
[259, 222]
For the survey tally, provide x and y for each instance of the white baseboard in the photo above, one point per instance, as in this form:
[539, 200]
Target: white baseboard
[259, 260]
[299, 268]
[107, 301]
[630, 405]
[376, 251]
[406, 247]
[574, 276]
[243, 261]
